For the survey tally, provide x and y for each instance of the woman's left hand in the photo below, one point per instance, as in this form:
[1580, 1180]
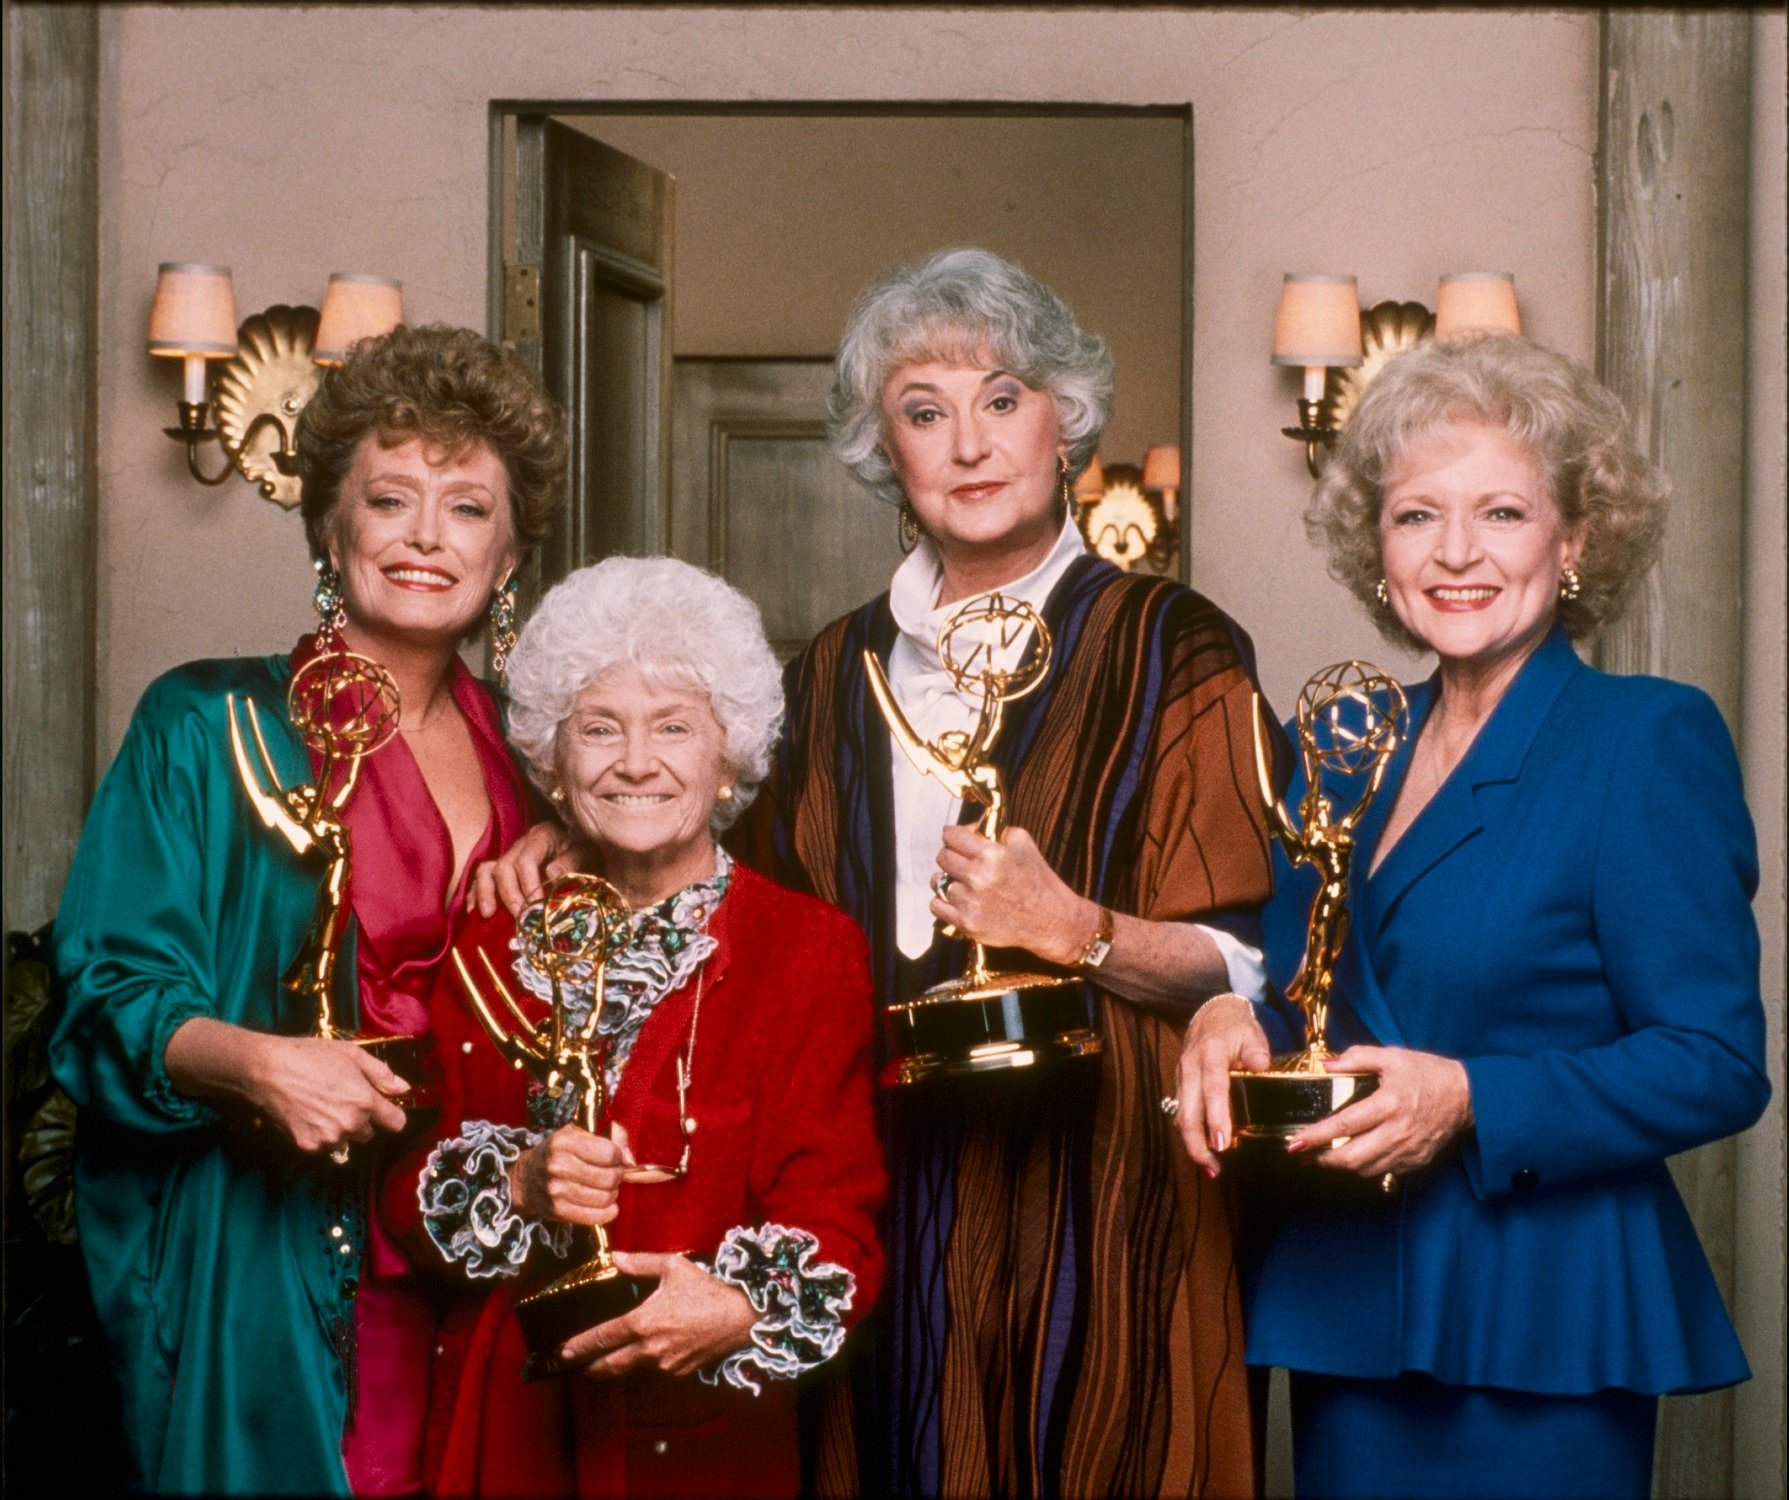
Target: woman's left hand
[1423, 1101]
[1006, 895]
[692, 1319]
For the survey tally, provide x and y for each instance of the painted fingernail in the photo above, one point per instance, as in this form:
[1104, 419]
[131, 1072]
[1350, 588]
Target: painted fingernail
[1222, 1141]
[1294, 1146]
[1212, 1173]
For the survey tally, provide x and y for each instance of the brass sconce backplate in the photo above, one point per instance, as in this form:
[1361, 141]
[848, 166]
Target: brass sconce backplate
[1129, 525]
[1386, 329]
[261, 392]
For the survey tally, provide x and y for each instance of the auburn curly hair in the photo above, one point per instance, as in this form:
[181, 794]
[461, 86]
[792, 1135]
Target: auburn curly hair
[446, 385]
[1552, 405]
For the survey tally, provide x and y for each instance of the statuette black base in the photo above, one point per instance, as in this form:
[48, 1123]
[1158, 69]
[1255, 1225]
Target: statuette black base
[578, 1300]
[1011, 1021]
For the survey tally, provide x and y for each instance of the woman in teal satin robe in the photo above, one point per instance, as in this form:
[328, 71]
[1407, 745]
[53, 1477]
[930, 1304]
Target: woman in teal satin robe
[266, 1336]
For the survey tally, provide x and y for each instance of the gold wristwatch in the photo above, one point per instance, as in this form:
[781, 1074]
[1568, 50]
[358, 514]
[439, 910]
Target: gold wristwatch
[1099, 945]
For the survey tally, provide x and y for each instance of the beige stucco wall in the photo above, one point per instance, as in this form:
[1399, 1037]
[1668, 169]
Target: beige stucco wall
[1396, 145]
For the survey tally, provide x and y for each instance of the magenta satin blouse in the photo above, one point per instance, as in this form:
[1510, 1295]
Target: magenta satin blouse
[406, 920]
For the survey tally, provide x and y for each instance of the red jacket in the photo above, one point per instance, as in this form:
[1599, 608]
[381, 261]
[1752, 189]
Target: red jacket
[781, 1093]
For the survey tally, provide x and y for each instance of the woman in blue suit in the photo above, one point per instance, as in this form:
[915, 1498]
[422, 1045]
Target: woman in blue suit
[1552, 967]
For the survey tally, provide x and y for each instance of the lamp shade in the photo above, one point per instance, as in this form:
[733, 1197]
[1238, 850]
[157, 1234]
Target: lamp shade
[1476, 302]
[1161, 467]
[356, 307]
[1318, 322]
[1090, 484]
[194, 312]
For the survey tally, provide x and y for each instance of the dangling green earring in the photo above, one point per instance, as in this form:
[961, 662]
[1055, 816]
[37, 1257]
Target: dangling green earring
[327, 600]
[503, 624]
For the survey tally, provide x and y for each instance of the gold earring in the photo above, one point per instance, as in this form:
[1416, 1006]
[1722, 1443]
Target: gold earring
[1382, 594]
[909, 523]
[1064, 493]
[556, 795]
[1570, 584]
[725, 794]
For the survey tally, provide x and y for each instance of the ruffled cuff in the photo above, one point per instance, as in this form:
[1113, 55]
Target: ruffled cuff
[158, 1089]
[801, 1304]
[464, 1196]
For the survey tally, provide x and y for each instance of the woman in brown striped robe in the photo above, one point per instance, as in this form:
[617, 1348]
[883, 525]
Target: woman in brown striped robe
[1062, 1315]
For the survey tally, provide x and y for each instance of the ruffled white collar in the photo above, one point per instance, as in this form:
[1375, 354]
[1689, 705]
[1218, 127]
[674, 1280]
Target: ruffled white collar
[913, 592]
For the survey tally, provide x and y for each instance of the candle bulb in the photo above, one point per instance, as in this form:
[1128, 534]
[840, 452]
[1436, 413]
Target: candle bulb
[1314, 376]
[195, 380]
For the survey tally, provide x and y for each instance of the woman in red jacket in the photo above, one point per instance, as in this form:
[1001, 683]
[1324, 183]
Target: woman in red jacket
[645, 700]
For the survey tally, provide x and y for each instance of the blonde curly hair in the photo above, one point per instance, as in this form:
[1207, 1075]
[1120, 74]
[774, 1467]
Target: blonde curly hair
[1552, 405]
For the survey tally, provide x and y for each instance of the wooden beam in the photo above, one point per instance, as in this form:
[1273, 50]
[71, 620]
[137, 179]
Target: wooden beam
[1673, 187]
[51, 436]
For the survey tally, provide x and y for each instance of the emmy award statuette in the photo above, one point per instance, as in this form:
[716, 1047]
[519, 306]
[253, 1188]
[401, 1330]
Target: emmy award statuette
[1350, 719]
[580, 923]
[985, 1020]
[345, 707]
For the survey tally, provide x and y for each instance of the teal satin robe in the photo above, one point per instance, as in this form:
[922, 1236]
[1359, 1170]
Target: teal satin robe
[223, 1263]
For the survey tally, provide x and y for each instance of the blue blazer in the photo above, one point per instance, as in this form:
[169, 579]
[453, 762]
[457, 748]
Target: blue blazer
[1571, 917]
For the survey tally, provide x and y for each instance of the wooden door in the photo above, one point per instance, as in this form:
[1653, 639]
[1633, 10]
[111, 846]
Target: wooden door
[758, 496]
[597, 224]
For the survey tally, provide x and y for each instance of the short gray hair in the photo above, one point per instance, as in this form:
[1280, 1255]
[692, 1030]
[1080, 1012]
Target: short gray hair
[676, 624]
[955, 306]
[1552, 405]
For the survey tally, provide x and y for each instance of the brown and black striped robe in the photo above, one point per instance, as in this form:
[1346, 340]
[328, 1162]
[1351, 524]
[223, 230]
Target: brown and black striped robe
[1062, 1313]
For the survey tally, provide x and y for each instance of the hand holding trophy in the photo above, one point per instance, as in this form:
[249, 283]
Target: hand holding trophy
[345, 707]
[580, 923]
[996, 650]
[1350, 721]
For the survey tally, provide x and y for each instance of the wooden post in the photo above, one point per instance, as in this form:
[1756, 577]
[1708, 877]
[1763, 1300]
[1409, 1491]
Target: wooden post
[52, 248]
[1674, 190]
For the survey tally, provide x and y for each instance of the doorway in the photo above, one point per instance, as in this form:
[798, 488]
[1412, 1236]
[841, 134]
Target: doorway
[774, 221]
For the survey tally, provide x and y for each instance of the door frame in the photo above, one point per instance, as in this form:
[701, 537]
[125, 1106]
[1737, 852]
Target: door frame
[503, 113]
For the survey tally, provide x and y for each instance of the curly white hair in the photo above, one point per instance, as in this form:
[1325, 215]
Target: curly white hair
[678, 626]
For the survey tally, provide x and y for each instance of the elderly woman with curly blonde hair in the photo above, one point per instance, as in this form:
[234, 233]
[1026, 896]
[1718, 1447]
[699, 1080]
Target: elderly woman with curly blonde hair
[1552, 969]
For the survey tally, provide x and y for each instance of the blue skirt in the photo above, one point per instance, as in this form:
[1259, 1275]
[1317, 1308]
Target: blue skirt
[1415, 1439]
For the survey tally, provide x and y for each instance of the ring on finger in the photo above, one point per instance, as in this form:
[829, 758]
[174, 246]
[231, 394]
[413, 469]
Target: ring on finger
[340, 1155]
[942, 886]
[1171, 1104]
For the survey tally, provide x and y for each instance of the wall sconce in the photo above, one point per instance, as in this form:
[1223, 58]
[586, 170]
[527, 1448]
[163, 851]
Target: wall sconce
[269, 365]
[1313, 330]
[1130, 515]
[1318, 327]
